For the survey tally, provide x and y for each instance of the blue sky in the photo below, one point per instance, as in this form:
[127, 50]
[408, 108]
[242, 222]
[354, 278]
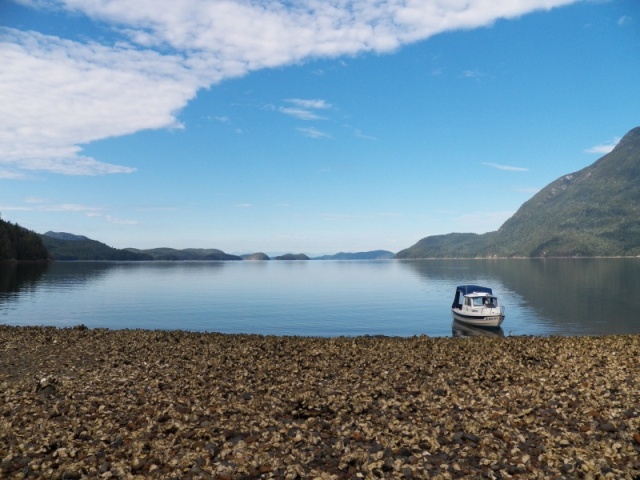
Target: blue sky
[303, 126]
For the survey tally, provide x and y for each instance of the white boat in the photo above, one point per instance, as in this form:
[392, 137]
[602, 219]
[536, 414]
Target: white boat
[476, 305]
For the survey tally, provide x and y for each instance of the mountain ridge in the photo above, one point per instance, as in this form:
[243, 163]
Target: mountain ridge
[591, 212]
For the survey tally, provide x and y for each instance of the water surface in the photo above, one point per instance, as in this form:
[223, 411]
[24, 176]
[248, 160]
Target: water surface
[323, 298]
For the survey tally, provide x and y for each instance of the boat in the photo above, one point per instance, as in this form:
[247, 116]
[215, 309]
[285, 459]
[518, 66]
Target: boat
[476, 305]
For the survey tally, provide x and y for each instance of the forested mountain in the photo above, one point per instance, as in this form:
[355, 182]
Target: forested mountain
[255, 256]
[66, 246]
[592, 212]
[19, 244]
[372, 255]
[292, 256]
[186, 254]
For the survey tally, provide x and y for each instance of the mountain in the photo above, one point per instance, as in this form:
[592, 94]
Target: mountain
[20, 245]
[292, 256]
[66, 246]
[255, 256]
[592, 212]
[372, 255]
[66, 236]
[186, 254]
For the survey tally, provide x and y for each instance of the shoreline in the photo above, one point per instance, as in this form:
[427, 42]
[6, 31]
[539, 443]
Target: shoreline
[82, 403]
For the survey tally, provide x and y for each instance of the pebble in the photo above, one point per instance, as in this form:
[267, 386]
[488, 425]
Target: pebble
[97, 403]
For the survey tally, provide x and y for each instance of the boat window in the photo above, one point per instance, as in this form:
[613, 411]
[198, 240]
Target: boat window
[477, 302]
[467, 302]
[491, 302]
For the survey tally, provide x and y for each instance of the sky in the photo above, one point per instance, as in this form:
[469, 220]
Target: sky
[309, 126]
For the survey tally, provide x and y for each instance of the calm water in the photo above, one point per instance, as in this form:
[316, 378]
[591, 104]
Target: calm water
[324, 298]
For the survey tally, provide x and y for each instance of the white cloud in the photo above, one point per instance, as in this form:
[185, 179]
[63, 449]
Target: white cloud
[316, 104]
[313, 132]
[11, 175]
[303, 109]
[603, 148]
[57, 95]
[71, 207]
[507, 168]
[300, 113]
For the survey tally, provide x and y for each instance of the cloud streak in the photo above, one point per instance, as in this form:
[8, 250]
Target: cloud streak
[57, 95]
[603, 148]
[507, 168]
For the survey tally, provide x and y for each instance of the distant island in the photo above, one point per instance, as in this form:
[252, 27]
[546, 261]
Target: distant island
[292, 256]
[63, 246]
[373, 255]
[171, 254]
[592, 212]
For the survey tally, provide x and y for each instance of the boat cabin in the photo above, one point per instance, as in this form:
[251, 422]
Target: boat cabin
[473, 293]
[480, 300]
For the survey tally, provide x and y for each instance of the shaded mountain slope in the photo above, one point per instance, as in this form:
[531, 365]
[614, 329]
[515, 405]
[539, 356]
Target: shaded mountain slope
[592, 212]
[20, 244]
[173, 254]
[66, 246]
[372, 255]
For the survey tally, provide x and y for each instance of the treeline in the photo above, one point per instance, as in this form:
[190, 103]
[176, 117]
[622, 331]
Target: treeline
[20, 245]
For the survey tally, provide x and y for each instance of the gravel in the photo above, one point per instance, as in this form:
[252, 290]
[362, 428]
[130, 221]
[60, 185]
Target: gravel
[77, 403]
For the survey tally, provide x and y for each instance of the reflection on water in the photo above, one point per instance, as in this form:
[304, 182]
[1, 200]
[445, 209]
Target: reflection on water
[17, 276]
[327, 298]
[462, 330]
[592, 296]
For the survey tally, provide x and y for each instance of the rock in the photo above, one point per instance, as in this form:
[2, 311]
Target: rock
[171, 404]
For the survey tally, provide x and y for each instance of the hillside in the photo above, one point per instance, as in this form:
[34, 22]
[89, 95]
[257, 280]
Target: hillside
[20, 245]
[592, 212]
[258, 256]
[372, 255]
[292, 256]
[171, 254]
[66, 246]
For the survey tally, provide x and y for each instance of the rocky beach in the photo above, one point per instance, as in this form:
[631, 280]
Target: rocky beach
[79, 403]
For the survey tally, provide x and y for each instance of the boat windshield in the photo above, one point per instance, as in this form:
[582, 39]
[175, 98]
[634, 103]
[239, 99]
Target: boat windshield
[490, 302]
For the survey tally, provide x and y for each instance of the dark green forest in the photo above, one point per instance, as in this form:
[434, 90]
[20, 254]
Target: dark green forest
[20, 245]
[64, 246]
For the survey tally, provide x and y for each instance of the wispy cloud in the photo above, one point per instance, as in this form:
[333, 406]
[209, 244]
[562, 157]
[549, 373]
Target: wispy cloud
[358, 133]
[313, 104]
[625, 20]
[11, 175]
[37, 204]
[313, 132]
[120, 221]
[300, 113]
[603, 148]
[59, 94]
[304, 109]
[474, 75]
[69, 207]
[507, 168]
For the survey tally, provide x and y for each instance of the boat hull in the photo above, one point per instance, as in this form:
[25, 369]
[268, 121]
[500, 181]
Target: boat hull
[491, 320]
